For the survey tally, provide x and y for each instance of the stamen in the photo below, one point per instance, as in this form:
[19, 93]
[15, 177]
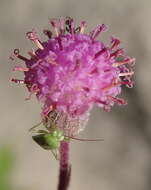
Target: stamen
[117, 52]
[48, 33]
[94, 71]
[33, 90]
[127, 61]
[46, 111]
[70, 26]
[107, 108]
[77, 30]
[16, 53]
[99, 53]
[82, 27]
[130, 84]
[127, 83]
[120, 101]
[60, 43]
[100, 101]
[77, 65]
[32, 54]
[97, 30]
[19, 68]
[117, 83]
[62, 27]
[125, 74]
[115, 42]
[54, 23]
[113, 84]
[18, 81]
[50, 60]
[87, 89]
[33, 37]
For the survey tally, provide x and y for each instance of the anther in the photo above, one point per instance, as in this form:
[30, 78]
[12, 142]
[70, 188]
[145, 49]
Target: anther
[117, 52]
[33, 37]
[94, 71]
[18, 81]
[99, 53]
[82, 26]
[77, 30]
[127, 61]
[48, 33]
[16, 53]
[54, 23]
[97, 30]
[115, 83]
[62, 27]
[32, 54]
[120, 101]
[115, 42]
[60, 43]
[70, 26]
[50, 60]
[125, 74]
[19, 68]
[33, 90]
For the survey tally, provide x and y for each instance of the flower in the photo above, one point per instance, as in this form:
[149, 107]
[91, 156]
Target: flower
[73, 71]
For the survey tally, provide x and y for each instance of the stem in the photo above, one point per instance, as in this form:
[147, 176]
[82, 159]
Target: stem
[65, 168]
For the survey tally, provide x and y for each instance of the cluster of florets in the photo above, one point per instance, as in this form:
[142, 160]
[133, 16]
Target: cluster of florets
[72, 71]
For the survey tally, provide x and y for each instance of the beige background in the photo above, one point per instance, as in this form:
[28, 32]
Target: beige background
[123, 160]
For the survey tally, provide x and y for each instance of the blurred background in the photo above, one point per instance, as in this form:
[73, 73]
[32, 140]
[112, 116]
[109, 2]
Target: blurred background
[123, 160]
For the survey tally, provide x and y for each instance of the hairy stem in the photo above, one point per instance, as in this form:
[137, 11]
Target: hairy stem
[65, 168]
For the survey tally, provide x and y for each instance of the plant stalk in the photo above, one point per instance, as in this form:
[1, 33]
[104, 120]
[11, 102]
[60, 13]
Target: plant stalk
[65, 168]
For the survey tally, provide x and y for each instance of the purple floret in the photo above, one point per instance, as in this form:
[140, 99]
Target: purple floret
[73, 71]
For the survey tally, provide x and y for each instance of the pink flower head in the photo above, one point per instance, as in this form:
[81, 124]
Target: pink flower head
[73, 71]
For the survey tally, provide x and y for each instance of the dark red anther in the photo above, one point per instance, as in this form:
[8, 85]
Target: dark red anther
[126, 83]
[60, 43]
[107, 108]
[82, 27]
[86, 89]
[117, 53]
[115, 42]
[120, 101]
[62, 26]
[18, 81]
[54, 22]
[77, 30]
[16, 53]
[48, 33]
[94, 71]
[34, 88]
[97, 30]
[32, 35]
[20, 68]
[100, 101]
[70, 25]
[100, 53]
